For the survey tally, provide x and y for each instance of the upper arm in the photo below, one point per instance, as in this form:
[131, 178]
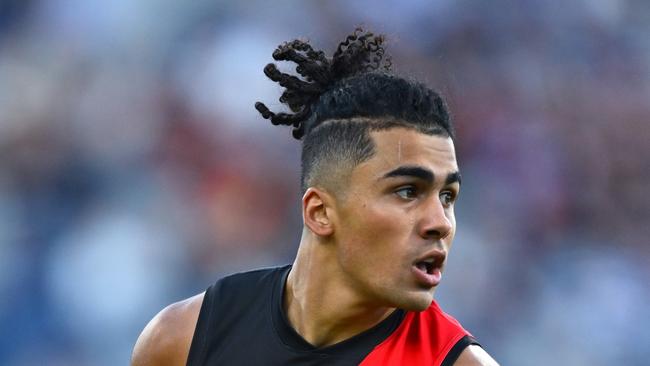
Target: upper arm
[166, 340]
[474, 355]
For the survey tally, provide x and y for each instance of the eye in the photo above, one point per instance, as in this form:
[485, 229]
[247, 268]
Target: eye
[447, 198]
[407, 192]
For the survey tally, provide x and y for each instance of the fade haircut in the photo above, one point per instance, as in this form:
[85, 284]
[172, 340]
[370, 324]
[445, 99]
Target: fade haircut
[340, 100]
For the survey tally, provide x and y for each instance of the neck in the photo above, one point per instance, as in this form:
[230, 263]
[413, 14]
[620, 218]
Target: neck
[320, 303]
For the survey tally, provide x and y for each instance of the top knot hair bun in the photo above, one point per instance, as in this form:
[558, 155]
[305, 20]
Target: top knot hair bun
[360, 52]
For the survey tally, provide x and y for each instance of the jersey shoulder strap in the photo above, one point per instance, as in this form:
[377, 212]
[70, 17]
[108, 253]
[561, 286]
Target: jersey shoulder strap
[228, 307]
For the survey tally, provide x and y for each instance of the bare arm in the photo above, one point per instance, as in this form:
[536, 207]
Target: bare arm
[474, 355]
[166, 340]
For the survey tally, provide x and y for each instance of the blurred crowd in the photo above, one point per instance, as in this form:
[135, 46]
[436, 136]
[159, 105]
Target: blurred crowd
[134, 170]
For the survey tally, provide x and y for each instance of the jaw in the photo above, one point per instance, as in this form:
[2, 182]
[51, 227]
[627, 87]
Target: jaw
[406, 295]
[417, 300]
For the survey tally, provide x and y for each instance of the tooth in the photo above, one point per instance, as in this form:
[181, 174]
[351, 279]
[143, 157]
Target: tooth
[429, 267]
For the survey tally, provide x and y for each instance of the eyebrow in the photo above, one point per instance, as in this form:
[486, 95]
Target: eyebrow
[411, 171]
[453, 178]
[421, 173]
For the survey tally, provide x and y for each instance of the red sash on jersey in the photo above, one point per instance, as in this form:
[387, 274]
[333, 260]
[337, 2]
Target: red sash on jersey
[423, 338]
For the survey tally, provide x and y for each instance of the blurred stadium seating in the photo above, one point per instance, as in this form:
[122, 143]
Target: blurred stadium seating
[134, 170]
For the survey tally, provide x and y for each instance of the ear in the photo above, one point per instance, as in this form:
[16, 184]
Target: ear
[317, 210]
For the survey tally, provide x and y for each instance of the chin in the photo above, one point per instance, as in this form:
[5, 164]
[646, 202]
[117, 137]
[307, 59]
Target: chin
[419, 301]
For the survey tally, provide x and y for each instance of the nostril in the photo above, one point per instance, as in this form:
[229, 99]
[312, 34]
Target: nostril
[433, 233]
[437, 234]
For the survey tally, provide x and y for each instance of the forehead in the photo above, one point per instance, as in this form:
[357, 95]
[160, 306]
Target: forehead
[406, 147]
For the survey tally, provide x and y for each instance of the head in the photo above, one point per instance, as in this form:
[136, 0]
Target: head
[379, 171]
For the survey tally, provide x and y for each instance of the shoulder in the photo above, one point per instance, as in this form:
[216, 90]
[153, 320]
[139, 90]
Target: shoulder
[166, 340]
[474, 355]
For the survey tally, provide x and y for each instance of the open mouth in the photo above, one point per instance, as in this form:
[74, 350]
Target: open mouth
[428, 270]
[425, 266]
[431, 262]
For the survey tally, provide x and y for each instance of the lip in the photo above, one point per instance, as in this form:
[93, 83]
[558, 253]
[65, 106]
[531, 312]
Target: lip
[433, 276]
[427, 279]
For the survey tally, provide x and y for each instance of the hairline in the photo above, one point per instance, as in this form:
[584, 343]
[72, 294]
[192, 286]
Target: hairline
[380, 124]
[392, 122]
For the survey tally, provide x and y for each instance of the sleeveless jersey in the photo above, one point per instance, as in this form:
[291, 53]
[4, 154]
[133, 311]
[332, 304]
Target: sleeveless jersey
[242, 322]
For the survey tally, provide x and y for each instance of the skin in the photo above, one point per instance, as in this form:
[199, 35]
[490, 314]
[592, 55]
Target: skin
[355, 263]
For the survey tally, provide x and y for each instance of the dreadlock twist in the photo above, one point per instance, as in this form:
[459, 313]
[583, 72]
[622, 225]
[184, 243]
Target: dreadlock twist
[335, 104]
[360, 52]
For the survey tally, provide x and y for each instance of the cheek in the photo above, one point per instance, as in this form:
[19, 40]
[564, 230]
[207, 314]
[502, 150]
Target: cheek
[379, 221]
[376, 232]
[452, 220]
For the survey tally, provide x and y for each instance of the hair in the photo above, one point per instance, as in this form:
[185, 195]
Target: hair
[338, 101]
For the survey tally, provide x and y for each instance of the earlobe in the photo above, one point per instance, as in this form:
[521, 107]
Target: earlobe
[315, 212]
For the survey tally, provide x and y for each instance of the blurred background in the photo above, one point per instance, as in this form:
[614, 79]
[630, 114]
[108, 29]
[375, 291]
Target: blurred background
[134, 170]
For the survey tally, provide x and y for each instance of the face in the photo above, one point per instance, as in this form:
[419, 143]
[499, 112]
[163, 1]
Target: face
[396, 219]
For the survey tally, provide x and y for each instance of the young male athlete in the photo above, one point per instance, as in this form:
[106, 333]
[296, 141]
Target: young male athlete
[379, 180]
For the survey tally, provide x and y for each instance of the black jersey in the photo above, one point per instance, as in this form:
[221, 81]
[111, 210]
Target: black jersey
[242, 322]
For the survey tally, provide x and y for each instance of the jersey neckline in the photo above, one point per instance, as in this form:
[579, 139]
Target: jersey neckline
[350, 347]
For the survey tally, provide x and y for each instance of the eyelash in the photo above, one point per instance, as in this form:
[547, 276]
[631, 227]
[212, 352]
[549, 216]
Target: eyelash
[414, 190]
[452, 197]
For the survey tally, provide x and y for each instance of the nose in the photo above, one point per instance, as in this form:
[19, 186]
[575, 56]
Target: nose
[436, 223]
